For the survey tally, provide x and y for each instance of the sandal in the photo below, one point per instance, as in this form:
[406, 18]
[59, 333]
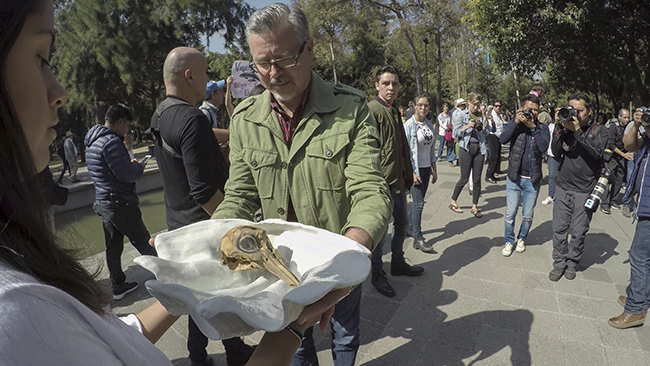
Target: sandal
[455, 208]
[477, 214]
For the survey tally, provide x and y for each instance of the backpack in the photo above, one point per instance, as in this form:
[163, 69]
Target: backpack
[61, 150]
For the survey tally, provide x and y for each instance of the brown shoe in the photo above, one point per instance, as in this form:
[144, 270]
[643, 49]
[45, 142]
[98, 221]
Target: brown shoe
[626, 320]
[623, 299]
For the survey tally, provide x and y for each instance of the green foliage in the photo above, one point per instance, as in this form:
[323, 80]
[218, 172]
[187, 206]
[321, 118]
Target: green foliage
[113, 51]
[598, 46]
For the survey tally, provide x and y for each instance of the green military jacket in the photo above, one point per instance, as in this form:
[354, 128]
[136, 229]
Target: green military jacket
[395, 162]
[331, 172]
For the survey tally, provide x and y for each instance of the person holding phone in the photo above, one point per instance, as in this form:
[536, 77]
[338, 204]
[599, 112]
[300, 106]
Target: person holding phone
[114, 174]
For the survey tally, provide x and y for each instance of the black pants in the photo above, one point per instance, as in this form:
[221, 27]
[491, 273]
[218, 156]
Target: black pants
[468, 161]
[66, 166]
[494, 156]
[570, 217]
[617, 173]
[197, 343]
[118, 222]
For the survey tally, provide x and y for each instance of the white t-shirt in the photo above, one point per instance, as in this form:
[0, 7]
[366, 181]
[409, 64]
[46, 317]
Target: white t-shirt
[42, 325]
[425, 144]
[444, 121]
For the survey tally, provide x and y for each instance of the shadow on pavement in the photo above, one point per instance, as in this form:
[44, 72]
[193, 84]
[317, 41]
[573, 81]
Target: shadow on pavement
[458, 227]
[413, 330]
[599, 248]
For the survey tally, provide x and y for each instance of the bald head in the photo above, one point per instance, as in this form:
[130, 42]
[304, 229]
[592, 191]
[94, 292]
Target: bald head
[185, 74]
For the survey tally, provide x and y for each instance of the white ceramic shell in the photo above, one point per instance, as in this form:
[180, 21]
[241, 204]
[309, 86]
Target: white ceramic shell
[225, 304]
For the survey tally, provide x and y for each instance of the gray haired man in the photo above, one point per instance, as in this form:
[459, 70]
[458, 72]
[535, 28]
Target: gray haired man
[306, 151]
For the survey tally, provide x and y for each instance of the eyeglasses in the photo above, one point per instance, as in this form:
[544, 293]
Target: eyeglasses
[263, 67]
[497, 105]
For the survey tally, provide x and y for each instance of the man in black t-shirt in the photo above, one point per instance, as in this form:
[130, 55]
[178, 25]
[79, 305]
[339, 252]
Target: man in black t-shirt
[581, 143]
[192, 168]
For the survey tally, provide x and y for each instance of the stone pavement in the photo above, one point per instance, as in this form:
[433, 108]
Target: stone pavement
[472, 306]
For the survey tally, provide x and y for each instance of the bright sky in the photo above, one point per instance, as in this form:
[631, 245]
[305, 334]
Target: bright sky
[217, 42]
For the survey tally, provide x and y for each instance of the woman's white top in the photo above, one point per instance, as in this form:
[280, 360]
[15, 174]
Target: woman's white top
[444, 122]
[42, 325]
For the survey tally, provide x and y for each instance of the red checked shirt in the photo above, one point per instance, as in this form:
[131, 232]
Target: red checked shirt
[288, 126]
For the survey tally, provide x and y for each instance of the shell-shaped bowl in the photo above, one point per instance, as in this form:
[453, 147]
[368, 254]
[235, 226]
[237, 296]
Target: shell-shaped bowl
[190, 278]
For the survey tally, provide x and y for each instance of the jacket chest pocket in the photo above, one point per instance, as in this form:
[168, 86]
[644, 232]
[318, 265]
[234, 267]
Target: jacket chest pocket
[262, 165]
[327, 161]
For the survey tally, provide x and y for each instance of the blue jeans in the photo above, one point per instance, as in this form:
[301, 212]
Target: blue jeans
[515, 191]
[630, 168]
[451, 155]
[418, 192]
[400, 225]
[553, 169]
[344, 325]
[638, 297]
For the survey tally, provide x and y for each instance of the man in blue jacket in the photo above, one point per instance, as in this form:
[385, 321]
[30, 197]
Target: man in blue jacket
[638, 300]
[529, 140]
[114, 175]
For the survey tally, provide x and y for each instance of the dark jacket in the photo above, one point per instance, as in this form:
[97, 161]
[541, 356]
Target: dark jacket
[582, 151]
[526, 150]
[395, 151]
[641, 171]
[109, 165]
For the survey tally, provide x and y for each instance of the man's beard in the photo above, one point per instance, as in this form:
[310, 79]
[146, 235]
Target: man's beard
[281, 97]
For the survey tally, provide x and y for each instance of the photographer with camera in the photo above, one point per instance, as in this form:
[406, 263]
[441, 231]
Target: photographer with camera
[616, 166]
[528, 140]
[581, 143]
[638, 300]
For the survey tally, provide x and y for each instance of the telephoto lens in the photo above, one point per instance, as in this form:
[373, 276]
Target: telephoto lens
[597, 194]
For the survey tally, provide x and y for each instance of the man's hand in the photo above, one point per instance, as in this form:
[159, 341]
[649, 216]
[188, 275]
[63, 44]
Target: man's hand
[416, 180]
[628, 156]
[572, 124]
[434, 173]
[321, 311]
[229, 80]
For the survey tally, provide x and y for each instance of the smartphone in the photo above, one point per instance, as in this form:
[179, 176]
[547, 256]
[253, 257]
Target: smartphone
[145, 159]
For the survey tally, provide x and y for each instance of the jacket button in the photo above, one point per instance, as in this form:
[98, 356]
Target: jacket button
[281, 211]
[328, 153]
[254, 163]
[284, 165]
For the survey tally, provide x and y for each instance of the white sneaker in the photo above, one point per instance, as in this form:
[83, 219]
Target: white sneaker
[507, 250]
[521, 247]
[547, 200]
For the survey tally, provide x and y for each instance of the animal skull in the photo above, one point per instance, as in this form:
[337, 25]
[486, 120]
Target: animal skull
[247, 247]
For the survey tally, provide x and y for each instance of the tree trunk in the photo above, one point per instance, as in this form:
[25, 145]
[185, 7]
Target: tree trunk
[642, 91]
[403, 25]
[333, 61]
[438, 73]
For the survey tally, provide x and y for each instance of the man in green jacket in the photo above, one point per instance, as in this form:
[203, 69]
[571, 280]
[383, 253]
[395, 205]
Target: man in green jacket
[398, 171]
[306, 151]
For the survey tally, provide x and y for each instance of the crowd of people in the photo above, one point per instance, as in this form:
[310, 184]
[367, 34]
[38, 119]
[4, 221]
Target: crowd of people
[301, 150]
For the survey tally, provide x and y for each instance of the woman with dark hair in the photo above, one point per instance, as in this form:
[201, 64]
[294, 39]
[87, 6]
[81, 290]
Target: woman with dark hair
[53, 312]
[472, 147]
[421, 138]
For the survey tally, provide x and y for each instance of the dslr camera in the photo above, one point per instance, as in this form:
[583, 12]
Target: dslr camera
[567, 113]
[478, 122]
[645, 120]
[601, 186]
[527, 113]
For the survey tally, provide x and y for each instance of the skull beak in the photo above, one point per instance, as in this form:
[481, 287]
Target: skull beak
[275, 265]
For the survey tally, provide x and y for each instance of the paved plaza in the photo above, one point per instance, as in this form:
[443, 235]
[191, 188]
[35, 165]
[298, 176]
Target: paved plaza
[472, 306]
